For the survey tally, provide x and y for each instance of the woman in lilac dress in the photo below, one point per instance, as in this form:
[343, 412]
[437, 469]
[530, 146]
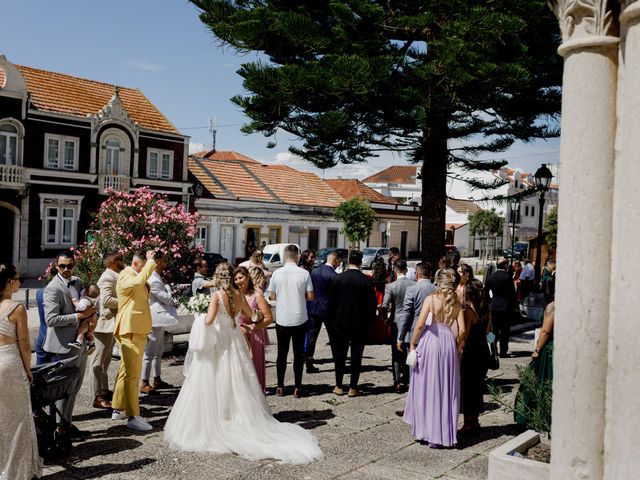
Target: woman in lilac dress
[257, 335]
[433, 401]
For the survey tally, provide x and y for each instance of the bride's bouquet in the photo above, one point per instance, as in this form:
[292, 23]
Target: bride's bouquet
[199, 303]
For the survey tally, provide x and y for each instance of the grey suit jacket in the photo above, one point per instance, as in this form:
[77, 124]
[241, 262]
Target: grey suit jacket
[394, 297]
[413, 300]
[60, 315]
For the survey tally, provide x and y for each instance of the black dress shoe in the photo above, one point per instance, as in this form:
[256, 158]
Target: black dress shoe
[312, 369]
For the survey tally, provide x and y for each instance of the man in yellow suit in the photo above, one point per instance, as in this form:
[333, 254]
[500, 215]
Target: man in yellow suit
[133, 323]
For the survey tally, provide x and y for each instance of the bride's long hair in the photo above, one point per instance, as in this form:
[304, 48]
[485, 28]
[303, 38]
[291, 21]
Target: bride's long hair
[223, 279]
[446, 290]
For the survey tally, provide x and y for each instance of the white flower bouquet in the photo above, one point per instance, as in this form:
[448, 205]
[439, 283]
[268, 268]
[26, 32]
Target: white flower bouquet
[199, 303]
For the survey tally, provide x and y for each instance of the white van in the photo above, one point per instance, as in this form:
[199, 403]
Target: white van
[274, 255]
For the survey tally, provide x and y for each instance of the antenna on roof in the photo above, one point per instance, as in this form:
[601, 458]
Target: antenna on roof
[213, 131]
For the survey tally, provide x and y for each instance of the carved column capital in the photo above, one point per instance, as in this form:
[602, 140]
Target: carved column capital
[587, 23]
[631, 11]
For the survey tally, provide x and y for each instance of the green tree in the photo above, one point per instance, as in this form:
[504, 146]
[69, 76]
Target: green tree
[441, 80]
[486, 222]
[358, 217]
[551, 228]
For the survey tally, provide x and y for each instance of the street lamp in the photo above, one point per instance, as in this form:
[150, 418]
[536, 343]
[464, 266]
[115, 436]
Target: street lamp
[514, 204]
[543, 178]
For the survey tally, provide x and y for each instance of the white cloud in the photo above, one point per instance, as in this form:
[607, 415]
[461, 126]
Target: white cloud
[196, 147]
[146, 66]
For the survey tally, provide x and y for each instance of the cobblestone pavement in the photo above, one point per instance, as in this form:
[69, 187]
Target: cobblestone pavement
[362, 438]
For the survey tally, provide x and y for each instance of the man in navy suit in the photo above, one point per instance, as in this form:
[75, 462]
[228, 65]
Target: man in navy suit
[351, 311]
[321, 277]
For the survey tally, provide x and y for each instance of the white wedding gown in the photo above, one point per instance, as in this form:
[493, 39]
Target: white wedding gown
[221, 407]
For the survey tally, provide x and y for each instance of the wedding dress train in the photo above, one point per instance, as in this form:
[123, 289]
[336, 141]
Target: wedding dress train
[221, 407]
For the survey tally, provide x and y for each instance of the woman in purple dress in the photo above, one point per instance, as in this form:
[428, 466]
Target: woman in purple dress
[257, 335]
[433, 401]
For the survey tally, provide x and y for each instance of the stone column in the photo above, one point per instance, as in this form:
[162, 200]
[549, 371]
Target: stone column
[584, 238]
[622, 435]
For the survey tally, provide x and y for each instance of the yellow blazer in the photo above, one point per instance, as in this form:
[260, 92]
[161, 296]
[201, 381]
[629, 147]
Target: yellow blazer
[133, 301]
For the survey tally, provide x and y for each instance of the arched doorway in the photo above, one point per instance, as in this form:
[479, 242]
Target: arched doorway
[9, 240]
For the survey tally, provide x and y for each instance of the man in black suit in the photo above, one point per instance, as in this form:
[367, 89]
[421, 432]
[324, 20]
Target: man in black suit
[352, 310]
[500, 292]
[322, 276]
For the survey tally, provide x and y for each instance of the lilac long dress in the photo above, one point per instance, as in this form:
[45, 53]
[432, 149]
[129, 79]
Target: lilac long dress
[258, 340]
[433, 401]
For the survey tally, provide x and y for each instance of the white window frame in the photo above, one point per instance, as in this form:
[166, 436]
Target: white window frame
[10, 135]
[158, 175]
[61, 148]
[58, 204]
[19, 137]
[202, 239]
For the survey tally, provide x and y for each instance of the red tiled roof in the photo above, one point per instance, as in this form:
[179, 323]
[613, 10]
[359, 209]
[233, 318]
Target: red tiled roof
[248, 179]
[61, 93]
[349, 188]
[224, 155]
[405, 174]
[462, 206]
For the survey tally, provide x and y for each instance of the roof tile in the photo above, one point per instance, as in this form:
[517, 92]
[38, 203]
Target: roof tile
[405, 174]
[350, 188]
[61, 93]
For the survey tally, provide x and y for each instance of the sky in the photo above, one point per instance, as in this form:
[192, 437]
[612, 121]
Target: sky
[162, 48]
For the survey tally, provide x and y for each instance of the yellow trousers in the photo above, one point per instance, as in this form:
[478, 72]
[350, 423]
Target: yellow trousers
[125, 393]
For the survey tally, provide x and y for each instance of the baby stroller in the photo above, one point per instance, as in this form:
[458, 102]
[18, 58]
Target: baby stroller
[52, 382]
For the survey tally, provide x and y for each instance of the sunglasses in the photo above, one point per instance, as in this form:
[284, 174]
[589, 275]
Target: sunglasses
[68, 266]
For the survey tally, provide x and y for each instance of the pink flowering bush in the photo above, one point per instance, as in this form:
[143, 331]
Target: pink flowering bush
[140, 220]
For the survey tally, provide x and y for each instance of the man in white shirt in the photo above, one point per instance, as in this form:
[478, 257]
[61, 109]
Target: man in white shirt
[291, 287]
[527, 278]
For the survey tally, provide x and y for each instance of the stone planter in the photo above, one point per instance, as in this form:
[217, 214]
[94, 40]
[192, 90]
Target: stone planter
[503, 466]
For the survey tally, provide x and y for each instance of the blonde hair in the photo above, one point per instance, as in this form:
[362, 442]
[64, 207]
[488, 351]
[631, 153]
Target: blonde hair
[223, 279]
[446, 290]
[258, 278]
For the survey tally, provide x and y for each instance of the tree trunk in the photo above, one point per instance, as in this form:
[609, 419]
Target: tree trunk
[434, 155]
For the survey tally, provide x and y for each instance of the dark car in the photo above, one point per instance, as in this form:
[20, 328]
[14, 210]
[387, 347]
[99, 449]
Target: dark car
[323, 253]
[520, 250]
[213, 259]
[452, 252]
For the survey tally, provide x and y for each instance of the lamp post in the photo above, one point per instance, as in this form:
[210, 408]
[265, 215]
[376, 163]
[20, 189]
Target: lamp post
[543, 178]
[514, 204]
[196, 189]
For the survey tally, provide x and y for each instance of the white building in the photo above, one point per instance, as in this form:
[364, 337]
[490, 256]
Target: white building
[246, 204]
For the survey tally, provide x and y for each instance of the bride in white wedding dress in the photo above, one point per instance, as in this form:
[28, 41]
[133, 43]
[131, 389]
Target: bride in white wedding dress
[221, 407]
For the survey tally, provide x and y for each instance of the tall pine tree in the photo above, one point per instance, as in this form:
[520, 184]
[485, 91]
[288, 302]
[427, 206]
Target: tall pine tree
[442, 80]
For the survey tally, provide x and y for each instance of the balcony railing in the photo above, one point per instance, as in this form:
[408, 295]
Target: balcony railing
[116, 182]
[12, 176]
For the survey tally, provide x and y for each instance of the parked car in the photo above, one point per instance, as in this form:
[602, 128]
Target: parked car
[451, 251]
[213, 259]
[273, 256]
[323, 253]
[520, 251]
[369, 254]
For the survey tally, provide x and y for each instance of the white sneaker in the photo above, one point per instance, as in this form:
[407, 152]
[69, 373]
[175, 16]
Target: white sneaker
[118, 415]
[139, 423]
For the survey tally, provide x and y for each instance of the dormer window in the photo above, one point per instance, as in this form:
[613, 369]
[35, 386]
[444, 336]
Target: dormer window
[8, 144]
[115, 152]
[61, 153]
[112, 160]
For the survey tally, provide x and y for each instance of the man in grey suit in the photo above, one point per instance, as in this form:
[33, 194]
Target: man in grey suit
[103, 334]
[414, 297]
[392, 302]
[62, 328]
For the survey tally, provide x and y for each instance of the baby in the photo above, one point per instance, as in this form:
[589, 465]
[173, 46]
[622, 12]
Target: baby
[88, 298]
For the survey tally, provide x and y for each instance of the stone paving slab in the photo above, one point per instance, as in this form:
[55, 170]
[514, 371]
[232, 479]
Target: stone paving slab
[362, 438]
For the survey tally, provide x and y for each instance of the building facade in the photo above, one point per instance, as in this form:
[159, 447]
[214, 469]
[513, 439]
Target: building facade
[395, 225]
[64, 141]
[246, 204]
